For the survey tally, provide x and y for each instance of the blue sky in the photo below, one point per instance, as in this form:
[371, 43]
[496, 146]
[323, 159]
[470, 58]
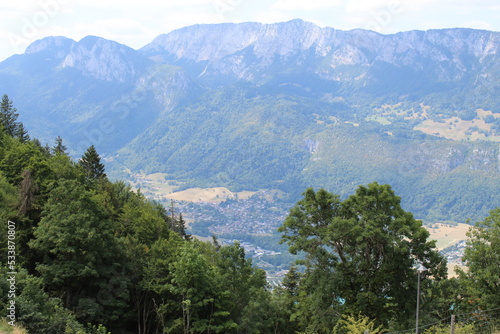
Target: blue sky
[136, 23]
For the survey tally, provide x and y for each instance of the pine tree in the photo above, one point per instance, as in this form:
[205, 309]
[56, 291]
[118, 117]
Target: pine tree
[22, 133]
[180, 227]
[8, 116]
[59, 148]
[91, 163]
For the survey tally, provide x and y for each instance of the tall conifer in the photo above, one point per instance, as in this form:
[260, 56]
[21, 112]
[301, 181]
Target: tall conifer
[91, 163]
[59, 148]
[8, 117]
[22, 133]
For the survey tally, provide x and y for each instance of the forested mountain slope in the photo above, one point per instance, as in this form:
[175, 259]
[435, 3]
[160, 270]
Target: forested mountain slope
[89, 256]
[280, 106]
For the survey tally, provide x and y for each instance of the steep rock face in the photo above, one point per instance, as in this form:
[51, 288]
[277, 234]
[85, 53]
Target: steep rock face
[214, 42]
[92, 56]
[105, 60]
[166, 85]
[246, 50]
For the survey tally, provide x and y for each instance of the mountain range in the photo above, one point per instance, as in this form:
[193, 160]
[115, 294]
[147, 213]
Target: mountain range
[280, 106]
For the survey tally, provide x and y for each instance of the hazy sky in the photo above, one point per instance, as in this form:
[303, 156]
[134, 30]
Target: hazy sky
[136, 23]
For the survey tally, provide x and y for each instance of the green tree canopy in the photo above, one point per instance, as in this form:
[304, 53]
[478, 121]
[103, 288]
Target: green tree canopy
[22, 133]
[482, 258]
[361, 251]
[80, 253]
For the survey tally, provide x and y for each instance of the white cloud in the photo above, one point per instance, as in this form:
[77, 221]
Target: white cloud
[477, 25]
[143, 4]
[368, 5]
[308, 5]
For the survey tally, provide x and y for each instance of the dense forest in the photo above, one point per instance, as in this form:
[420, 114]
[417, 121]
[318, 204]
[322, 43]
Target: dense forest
[83, 254]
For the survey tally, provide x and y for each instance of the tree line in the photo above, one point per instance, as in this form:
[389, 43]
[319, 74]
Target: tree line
[95, 256]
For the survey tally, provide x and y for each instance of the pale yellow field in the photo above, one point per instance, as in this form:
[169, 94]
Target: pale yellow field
[447, 235]
[245, 194]
[451, 269]
[156, 183]
[456, 128]
[159, 184]
[212, 195]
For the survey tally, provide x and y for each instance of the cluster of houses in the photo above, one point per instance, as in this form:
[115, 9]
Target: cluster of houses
[455, 253]
[251, 216]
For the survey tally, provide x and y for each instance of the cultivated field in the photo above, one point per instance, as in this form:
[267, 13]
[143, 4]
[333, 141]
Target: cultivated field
[448, 235]
[457, 129]
[212, 195]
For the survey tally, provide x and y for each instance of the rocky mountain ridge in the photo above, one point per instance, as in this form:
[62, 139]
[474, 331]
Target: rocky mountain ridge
[242, 49]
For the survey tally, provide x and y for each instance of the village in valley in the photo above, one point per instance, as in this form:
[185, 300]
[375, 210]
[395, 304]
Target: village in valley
[248, 217]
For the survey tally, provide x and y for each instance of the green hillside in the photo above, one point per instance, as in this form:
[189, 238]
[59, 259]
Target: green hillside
[245, 138]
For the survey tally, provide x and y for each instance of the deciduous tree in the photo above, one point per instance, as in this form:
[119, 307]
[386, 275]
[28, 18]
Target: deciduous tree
[361, 251]
[482, 258]
[80, 253]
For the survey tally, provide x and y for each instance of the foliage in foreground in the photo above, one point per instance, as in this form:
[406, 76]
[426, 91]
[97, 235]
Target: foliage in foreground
[361, 255]
[445, 329]
[94, 256]
[357, 325]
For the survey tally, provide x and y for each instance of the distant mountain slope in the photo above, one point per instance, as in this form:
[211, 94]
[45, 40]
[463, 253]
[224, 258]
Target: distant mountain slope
[283, 106]
[92, 91]
[249, 142]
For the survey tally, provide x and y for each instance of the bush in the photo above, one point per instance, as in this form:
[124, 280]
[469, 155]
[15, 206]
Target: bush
[445, 329]
[350, 324]
[39, 313]
[489, 119]
[467, 115]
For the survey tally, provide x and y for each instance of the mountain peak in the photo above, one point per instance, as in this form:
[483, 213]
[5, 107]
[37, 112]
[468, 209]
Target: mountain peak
[215, 41]
[104, 59]
[91, 40]
[280, 106]
[50, 44]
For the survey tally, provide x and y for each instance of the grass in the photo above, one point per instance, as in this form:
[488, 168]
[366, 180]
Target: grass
[161, 186]
[457, 129]
[452, 128]
[382, 120]
[211, 195]
[156, 183]
[447, 235]
[5, 328]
